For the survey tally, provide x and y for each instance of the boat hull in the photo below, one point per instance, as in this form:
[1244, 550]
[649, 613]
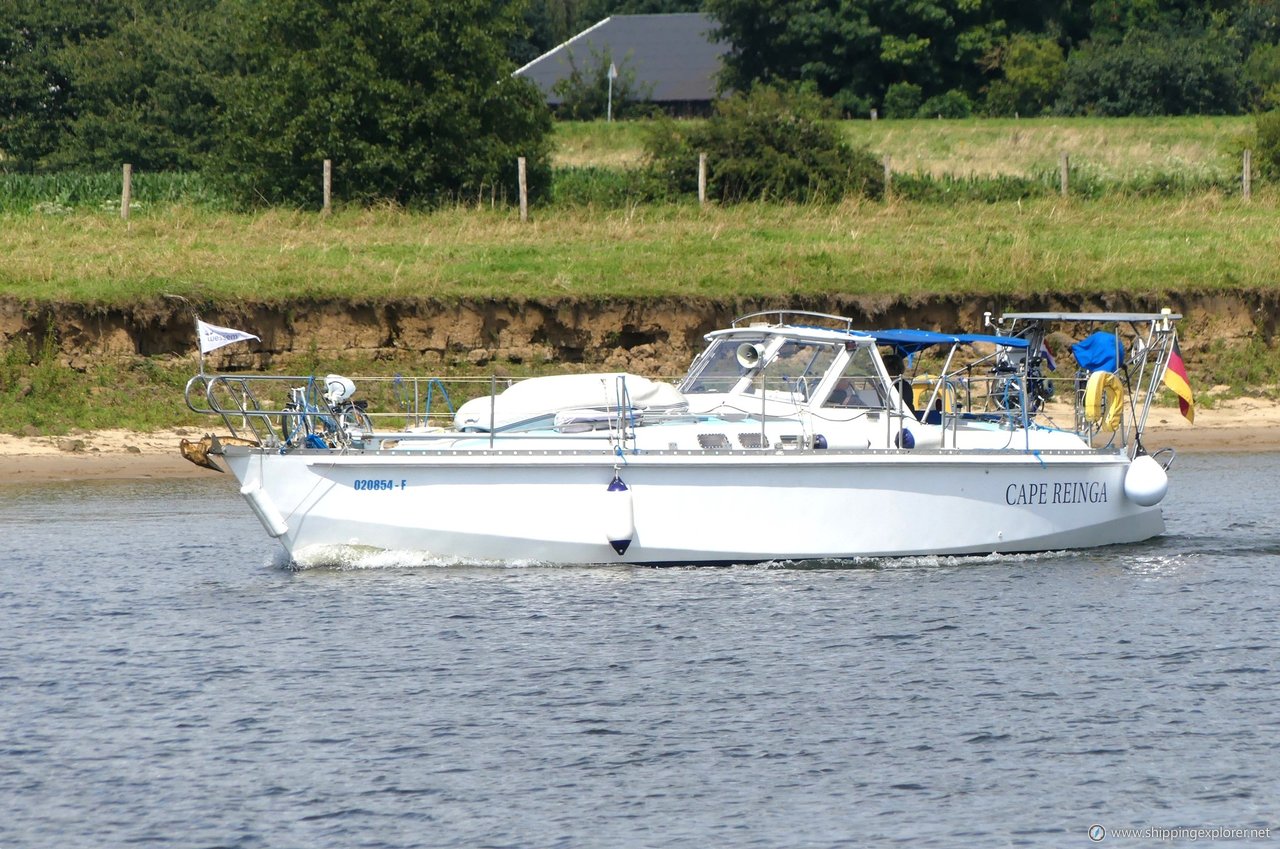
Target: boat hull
[690, 507]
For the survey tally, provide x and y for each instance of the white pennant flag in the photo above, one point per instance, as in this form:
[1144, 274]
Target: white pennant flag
[213, 337]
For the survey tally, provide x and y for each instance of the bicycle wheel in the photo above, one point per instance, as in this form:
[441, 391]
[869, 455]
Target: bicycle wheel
[353, 418]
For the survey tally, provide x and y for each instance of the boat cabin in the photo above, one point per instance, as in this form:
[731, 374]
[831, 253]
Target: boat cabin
[780, 369]
[774, 369]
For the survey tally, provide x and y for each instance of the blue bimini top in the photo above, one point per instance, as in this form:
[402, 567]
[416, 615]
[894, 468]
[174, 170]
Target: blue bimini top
[910, 341]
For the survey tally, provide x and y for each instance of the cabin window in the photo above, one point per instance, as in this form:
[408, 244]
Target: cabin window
[860, 384]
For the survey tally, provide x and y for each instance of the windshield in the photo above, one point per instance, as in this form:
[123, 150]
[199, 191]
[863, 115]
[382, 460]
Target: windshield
[718, 369]
[796, 369]
[799, 366]
[860, 384]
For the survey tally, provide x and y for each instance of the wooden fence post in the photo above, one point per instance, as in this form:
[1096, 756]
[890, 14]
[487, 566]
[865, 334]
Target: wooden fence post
[328, 187]
[126, 192]
[702, 179]
[1064, 166]
[1246, 177]
[524, 190]
[888, 178]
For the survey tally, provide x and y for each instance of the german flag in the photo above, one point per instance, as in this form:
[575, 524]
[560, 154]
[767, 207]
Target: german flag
[1175, 377]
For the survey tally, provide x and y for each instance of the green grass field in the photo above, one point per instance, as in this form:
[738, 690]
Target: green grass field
[61, 237]
[1043, 245]
[1114, 148]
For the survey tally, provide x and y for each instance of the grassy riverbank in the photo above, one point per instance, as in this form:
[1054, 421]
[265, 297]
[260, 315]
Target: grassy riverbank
[1048, 245]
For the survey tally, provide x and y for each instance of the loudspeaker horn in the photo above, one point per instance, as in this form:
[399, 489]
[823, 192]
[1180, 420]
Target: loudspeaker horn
[749, 354]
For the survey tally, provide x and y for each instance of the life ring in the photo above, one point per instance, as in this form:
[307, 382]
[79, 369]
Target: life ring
[922, 387]
[1104, 385]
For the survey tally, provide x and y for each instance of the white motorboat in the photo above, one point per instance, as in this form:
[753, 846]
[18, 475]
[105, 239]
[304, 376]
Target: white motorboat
[788, 439]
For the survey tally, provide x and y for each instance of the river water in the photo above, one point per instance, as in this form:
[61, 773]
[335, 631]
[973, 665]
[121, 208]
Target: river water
[165, 679]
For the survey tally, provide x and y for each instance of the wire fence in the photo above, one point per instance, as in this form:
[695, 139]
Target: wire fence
[126, 190]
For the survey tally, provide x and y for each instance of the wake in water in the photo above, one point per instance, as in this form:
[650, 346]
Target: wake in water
[924, 561]
[347, 558]
[351, 558]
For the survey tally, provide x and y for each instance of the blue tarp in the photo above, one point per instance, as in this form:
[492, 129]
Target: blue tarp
[911, 341]
[1101, 351]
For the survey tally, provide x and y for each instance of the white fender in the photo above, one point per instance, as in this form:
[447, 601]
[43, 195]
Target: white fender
[265, 509]
[1146, 482]
[619, 517]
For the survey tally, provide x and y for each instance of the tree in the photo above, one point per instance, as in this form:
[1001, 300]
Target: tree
[853, 50]
[1168, 72]
[143, 92]
[1262, 77]
[35, 85]
[548, 23]
[413, 101]
[1033, 67]
[831, 44]
[94, 84]
[1112, 20]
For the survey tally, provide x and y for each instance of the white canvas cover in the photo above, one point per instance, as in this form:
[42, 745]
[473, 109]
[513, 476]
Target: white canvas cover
[543, 397]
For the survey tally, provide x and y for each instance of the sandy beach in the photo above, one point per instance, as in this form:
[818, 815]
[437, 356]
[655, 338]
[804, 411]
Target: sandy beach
[97, 455]
[1240, 424]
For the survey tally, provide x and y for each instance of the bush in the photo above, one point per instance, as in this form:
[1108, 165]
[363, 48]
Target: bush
[952, 104]
[671, 156]
[1266, 151]
[768, 145]
[902, 100]
[851, 104]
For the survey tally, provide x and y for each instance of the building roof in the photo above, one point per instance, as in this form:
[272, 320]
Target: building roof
[676, 54]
